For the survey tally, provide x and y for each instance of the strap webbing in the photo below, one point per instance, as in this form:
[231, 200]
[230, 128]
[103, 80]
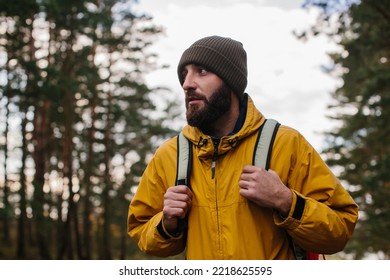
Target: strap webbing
[264, 144]
[183, 158]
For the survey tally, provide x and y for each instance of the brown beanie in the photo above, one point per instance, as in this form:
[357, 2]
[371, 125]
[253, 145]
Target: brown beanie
[224, 57]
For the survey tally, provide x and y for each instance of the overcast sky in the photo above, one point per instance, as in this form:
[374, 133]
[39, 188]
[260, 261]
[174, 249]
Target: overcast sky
[285, 78]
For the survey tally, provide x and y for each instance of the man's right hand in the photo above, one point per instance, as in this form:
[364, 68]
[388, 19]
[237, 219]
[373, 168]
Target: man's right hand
[177, 202]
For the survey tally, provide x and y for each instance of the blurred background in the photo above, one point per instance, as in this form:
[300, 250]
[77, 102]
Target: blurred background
[88, 90]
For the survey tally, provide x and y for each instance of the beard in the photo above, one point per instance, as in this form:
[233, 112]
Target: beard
[215, 107]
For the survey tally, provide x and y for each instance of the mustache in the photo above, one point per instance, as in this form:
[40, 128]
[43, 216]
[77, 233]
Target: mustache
[193, 95]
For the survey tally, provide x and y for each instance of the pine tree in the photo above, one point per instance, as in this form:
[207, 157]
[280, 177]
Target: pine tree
[76, 69]
[360, 145]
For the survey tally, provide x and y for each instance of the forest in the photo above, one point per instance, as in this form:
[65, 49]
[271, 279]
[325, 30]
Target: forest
[78, 123]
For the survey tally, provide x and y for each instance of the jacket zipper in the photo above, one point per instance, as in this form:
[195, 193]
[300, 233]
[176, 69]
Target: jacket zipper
[215, 156]
[213, 166]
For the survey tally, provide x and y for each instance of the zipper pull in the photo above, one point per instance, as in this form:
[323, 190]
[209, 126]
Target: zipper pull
[215, 155]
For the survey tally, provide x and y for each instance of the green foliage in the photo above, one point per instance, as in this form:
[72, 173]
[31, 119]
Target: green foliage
[360, 146]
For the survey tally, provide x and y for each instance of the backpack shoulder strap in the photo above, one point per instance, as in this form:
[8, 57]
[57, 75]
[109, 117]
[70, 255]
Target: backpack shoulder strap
[184, 160]
[183, 171]
[264, 143]
[262, 158]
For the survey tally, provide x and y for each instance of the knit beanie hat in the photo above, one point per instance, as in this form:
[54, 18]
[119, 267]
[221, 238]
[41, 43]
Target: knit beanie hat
[224, 57]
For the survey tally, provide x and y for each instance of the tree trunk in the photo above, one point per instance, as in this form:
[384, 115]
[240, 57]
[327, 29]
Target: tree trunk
[5, 217]
[21, 233]
[107, 185]
[88, 183]
[40, 137]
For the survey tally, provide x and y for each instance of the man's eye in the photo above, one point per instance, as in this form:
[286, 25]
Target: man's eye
[202, 71]
[184, 74]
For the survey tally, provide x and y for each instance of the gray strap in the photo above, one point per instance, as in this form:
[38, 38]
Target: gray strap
[263, 145]
[183, 157]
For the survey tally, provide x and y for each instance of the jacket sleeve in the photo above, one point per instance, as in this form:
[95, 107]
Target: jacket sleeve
[145, 210]
[323, 214]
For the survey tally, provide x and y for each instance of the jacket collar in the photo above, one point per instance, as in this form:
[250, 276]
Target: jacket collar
[241, 117]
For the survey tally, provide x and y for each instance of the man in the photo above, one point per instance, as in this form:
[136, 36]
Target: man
[235, 210]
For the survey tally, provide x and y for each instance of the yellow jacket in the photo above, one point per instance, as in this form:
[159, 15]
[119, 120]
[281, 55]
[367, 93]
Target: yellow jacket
[224, 225]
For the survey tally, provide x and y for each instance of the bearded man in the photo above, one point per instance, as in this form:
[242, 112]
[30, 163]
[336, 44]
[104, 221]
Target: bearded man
[232, 209]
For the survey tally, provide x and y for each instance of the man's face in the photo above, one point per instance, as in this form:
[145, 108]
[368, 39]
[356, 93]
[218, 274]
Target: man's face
[207, 97]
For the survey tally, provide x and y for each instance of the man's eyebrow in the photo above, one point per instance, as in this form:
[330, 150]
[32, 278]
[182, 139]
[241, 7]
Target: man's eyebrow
[201, 66]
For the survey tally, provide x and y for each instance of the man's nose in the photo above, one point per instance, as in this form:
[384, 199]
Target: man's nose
[189, 82]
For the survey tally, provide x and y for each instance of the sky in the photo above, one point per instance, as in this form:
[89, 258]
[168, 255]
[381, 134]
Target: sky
[285, 79]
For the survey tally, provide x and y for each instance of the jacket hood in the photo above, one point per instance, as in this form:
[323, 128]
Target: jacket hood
[253, 120]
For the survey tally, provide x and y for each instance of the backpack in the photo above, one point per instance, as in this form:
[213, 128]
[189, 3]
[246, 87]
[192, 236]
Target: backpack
[261, 157]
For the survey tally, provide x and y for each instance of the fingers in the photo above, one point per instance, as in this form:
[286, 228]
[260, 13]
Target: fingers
[254, 173]
[265, 188]
[177, 202]
[248, 169]
[249, 176]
